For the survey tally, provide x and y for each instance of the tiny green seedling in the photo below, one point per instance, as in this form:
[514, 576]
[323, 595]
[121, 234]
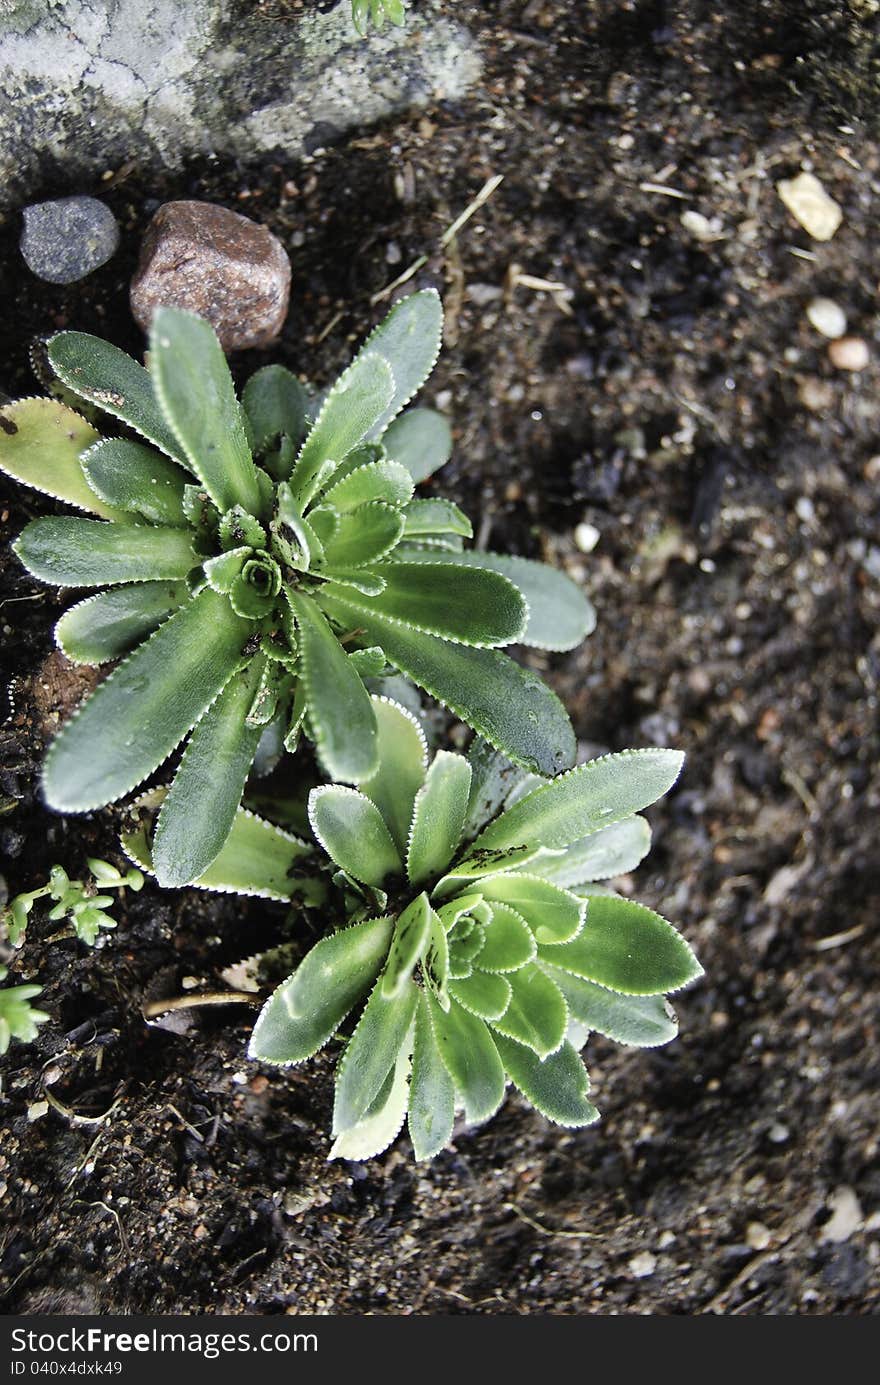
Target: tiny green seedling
[363, 12]
[18, 1018]
[80, 902]
[485, 951]
[259, 560]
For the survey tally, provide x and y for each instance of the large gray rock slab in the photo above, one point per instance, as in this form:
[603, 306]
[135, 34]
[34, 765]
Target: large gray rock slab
[86, 85]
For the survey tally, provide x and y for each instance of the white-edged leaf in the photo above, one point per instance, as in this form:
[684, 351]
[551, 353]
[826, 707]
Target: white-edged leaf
[432, 1092]
[628, 948]
[371, 1053]
[611, 851]
[308, 1008]
[352, 831]
[438, 817]
[642, 1021]
[197, 397]
[411, 936]
[402, 759]
[556, 1086]
[585, 799]
[375, 1131]
[41, 443]
[409, 339]
[111, 624]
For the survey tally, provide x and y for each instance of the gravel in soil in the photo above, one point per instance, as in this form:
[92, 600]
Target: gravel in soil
[672, 395]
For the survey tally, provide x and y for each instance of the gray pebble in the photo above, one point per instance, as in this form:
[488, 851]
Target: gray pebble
[65, 240]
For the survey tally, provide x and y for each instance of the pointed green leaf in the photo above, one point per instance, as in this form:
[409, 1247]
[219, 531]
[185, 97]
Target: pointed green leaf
[368, 584]
[108, 625]
[537, 1015]
[421, 440]
[375, 1130]
[432, 1093]
[557, 1087]
[471, 872]
[362, 455]
[484, 993]
[222, 571]
[409, 339]
[435, 963]
[560, 616]
[403, 755]
[364, 535]
[436, 517]
[509, 943]
[72, 552]
[351, 830]
[197, 815]
[371, 1053]
[382, 480]
[469, 607]
[257, 857]
[508, 705]
[197, 397]
[470, 1057]
[106, 376]
[137, 479]
[351, 409]
[411, 937]
[457, 908]
[138, 715]
[41, 442]
[643, 1021]
[342, 717]
[553, 915]
[312, 1003]
[438, 817]
[627, 948]
[275, 404]
[614, 850]
[588, 798]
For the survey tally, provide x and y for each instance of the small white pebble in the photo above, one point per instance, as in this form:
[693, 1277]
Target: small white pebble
[643, 1265]
[667, 1239]
[778, 1133]
[805, 509]
[586, 536]
[37, 1110]
[239, 1078]
[849, 353]
[846, 1216]
[810, 205]
[827, 317]
[758, 1236]
[701, 227]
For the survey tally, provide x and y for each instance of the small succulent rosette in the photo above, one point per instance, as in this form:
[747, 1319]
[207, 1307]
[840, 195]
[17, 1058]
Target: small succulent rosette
[484, 951]
[258, 559]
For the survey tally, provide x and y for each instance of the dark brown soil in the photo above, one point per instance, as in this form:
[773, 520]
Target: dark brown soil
[676, 398]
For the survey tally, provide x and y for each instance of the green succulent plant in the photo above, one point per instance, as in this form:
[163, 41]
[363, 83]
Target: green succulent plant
[259, 560]
[18, 1017]
[79, 901]
[484, 949]
[377, 11]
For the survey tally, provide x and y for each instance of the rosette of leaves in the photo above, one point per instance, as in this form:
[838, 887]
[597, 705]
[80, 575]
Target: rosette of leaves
[260, 558]
[482, 959]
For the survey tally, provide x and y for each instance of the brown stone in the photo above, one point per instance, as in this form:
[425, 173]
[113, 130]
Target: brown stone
[216, 263]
